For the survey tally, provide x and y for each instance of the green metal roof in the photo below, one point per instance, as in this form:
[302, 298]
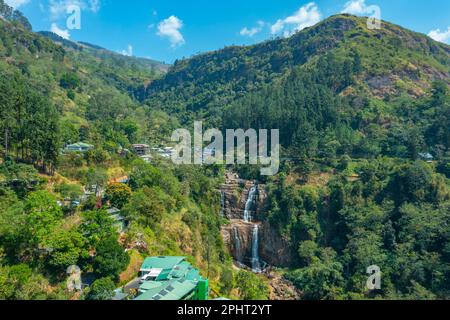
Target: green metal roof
[80, 145]
[180, 270]
[170, 290]
[161, 263]
[193, 275]
[177, 280]
[155, 286]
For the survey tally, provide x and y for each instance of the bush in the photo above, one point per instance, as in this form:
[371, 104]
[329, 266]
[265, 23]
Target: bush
[101, 289]
[251, 287]
[111, 259]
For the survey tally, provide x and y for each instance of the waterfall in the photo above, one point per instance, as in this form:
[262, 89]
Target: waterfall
[237, 244]
[249, 204]
[256, 263]
[244, 232]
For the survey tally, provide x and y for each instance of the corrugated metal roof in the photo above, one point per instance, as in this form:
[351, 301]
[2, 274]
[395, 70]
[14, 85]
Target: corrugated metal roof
[177, 280]
[162, 262]
[170, 290]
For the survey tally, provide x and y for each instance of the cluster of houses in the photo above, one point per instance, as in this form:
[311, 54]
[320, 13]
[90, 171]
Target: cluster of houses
[114, 213]
[146, 153]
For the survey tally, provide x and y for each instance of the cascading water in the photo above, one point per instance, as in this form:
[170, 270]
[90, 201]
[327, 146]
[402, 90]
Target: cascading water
[249, 204]
[256, 262]
[237, 244]
[244, 231]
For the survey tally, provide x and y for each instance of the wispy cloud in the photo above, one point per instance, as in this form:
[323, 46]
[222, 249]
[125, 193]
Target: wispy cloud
[128, 52]
[16, 3]
[64, 33]
[304, 17]
[358, 7]
[170, 28]
[441, 36]
[252, 31]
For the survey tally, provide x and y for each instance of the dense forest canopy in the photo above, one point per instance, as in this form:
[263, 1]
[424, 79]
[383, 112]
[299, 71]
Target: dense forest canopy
[364, 117]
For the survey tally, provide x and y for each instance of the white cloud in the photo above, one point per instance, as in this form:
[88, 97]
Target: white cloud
[356, 7]
[58, 8]
[437, 35]
[16, 3]
[128, 52]
[306, 16]
[60, 32]
[252, 31]
[170, 28]
[359, 7]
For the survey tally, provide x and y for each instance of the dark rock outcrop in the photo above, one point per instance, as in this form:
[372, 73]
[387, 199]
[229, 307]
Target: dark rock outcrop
[238, 236]
[274, 249]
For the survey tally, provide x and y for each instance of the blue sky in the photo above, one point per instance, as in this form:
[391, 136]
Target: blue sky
[166, 30]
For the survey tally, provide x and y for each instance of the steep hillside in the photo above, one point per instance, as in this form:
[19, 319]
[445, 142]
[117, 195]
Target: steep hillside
[128, 74]
[9, 14]
[84, 82]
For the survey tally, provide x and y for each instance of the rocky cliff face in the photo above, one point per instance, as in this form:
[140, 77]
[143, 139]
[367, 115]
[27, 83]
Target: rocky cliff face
[234, 193]
[275, 250]
[238, 235]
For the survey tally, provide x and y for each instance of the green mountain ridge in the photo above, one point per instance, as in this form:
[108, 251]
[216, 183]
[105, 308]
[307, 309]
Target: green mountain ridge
[394, 60]
[100, 52]
[84, 83]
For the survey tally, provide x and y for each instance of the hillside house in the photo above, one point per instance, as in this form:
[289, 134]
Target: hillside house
[171, 278]
[426, 156]
[79, 147]
[141, 149]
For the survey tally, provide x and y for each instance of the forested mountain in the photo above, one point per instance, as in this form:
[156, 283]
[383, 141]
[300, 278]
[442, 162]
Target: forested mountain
[339, 53]
[364, 117]
[79, 82]
[104, 54]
